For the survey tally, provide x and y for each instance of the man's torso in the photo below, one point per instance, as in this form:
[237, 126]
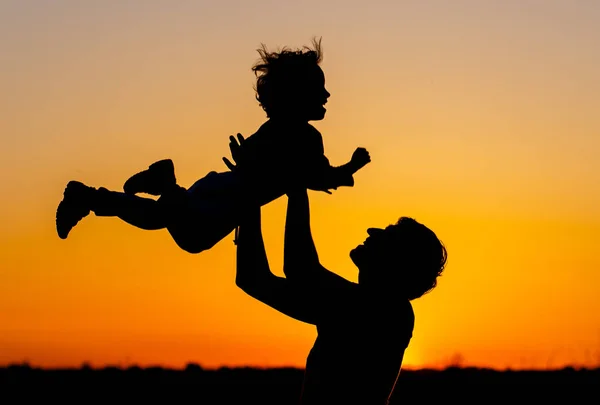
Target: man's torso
[358, 358]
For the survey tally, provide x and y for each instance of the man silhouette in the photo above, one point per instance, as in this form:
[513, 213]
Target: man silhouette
[363, 328]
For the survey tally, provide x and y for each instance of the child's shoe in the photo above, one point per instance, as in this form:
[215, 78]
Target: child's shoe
[159, 177]
[73, 208]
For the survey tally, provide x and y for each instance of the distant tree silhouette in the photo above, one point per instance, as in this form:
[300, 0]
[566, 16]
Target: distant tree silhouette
[25, 384]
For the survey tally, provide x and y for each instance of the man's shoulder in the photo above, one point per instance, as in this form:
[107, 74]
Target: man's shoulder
[404, 311]
[401, 313]
[406, 321]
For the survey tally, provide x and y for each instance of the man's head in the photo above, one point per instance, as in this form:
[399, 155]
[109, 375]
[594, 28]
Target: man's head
[290, 83]
[406, 257]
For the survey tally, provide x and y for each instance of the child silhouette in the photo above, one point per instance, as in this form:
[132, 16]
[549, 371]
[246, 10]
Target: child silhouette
[286, 151]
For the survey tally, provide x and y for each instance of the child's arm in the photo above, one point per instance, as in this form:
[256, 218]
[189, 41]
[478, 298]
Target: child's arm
[341, 174]
[326, 177]
[322, 175]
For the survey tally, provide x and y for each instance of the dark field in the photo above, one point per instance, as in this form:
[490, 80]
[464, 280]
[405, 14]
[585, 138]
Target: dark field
[22, 384]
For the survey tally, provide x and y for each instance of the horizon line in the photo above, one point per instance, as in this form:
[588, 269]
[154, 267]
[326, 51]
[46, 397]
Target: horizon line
[192, 366]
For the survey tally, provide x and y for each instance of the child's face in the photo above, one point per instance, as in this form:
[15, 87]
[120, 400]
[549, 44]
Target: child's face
[313, 95]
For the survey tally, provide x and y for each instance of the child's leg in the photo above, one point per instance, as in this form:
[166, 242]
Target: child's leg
[200, 217]
[196, 220]
[80, 199]
[143, 213]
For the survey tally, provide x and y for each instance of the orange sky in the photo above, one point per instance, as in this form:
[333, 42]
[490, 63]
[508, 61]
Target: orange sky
[481, 119]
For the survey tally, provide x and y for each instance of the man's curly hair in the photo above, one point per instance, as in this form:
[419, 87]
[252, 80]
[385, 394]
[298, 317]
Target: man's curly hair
[418, 250]
[280, 74]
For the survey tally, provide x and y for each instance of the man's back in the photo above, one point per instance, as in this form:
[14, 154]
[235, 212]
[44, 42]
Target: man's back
[357, 356]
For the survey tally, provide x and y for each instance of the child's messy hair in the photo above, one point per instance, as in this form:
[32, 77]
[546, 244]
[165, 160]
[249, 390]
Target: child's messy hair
[279, 73]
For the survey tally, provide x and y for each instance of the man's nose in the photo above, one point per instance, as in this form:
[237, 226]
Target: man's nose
[374, 231]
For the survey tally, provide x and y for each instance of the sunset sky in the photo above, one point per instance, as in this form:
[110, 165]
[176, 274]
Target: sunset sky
[482, 119]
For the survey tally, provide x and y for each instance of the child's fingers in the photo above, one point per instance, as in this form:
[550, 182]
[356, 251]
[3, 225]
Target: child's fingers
[238, 141]
[233, 144]
[230, 165]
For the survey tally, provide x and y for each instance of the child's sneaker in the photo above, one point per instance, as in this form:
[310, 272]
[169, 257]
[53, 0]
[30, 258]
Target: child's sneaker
[155, 180]
[73, 208]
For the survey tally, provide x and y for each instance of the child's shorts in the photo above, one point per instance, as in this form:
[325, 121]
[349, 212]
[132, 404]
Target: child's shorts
[212, 213]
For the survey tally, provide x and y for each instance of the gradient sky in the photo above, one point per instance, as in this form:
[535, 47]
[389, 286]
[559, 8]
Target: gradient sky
[482, 119]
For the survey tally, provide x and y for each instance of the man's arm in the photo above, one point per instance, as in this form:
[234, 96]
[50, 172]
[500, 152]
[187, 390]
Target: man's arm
[300, 259]
[304, 302]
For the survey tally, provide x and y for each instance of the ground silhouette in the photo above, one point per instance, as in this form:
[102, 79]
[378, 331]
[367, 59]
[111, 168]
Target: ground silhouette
[23, 384]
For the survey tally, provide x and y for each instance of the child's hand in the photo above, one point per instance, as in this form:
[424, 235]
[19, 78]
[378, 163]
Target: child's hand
[360, 158]
[236, 154]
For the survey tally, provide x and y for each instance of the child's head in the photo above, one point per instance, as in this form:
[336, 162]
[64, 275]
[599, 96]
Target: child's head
[405, 258]
[290, 83]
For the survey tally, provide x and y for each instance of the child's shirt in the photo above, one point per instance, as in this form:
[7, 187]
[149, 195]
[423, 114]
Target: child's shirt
[284, 155]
